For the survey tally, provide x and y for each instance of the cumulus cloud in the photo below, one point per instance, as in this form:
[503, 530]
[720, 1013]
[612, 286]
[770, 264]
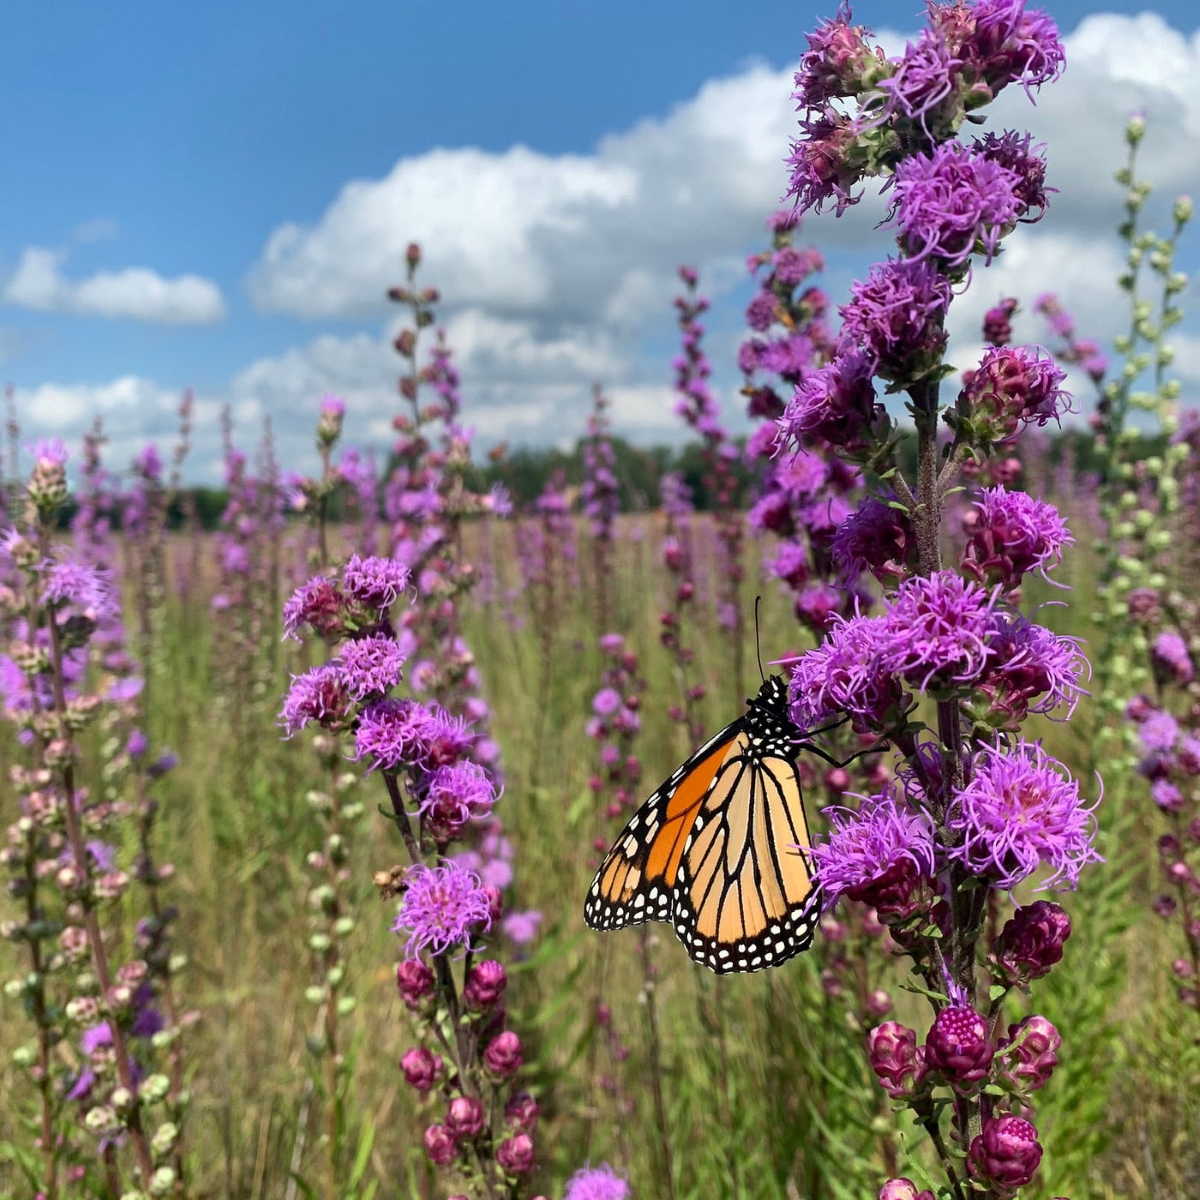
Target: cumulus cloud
[136, 292]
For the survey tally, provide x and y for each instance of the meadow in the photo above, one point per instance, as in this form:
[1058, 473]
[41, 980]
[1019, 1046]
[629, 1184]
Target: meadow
[303, 809]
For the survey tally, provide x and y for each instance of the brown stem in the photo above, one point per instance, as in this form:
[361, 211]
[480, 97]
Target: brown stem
[654, 1053]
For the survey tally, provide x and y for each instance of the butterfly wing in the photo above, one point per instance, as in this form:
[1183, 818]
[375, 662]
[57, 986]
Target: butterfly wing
[713, 852]
[636, 881]
[744, 898]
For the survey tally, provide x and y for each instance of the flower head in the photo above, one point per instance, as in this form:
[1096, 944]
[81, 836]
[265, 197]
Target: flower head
[959, 1046]
[1012, 534]
[1031, 941]
[442, 908]
[1020, 809]
[938, 631]
[319, 695]
[951, 200]
[898, 316]
[375, 582]
[845, 674]
[896, 1059]
[406, 733]
[596, 1183]
[319, 603]
[835, 403]
[371, 666]
[865, 844]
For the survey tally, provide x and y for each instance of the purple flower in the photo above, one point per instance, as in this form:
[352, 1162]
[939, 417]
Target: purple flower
[937, 631]
[441, 909]
[1159, 731]
[318, 695]
[1030, 661]
[606, 702]
[1007, 1152]
[396, 733]
[903, 1189]
[371, 666]
[922, 80]
[878, 537]
[844, 674]
[1171, 658]
[376, 582]
[952, 198]
[1012, 534]
[521, 927]
[455, 794]
[898, 316]
[760, 314]
[826, 162]
[1010, 44]
[863, 845]
[596, 1183]
[997, 327]
[1022, 808]
[1166, 795]
[1012, 151]
[319, 603]
[835, 403]
[1011, 387]
[503, 1057]
[85, 587]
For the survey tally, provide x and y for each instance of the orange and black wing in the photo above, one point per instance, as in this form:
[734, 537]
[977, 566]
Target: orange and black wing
[717, 851]
[637, 879]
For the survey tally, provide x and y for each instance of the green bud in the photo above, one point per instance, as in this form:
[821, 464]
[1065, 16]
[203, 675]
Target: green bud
[344, 926]
[24, 1056]
[121, 1098]
[320, 942]
[1160, 539]
[162, 1182]
[1135, 129]
[1182, 212]
[334, 976]
[346, 1005]
[1143, 520]
[314, 994]
[165, 1137]
[154, 1088]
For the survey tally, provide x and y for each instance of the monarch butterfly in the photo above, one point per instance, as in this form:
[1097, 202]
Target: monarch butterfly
[714, 850]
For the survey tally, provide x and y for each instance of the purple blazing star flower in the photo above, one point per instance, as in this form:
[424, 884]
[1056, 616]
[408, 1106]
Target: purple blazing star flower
[1011, 44]
[937, 631]
[844, 675]
[319, 695]
[835, 403]
[952, 198]
[606, 702]
[371, 665]
[1013, 533]
[923, 78]
[1159, 731]
[376, 582]
[1031, 661]
[1013, 385]
[459, 792]
[405, 733]
[825, 162]
[864, 845]
[878, 537]
[1021, 808]
[898, 316]
[521, 927]
[441, 909]
[319, 603]
[1012, 151]
[85, 587]
[596, 1183]
[1171, 658]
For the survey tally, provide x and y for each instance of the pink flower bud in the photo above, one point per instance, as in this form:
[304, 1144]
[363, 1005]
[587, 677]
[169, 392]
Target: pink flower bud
[440, 1145]
[1006, 1153]
[415, 981]
[503, 1056]
[521, 1112]
[421, 1068]
[959, 1047]
[485, 985]
[896, 1059]
[464, 1117]
[1030, 1052]
[515, 1154]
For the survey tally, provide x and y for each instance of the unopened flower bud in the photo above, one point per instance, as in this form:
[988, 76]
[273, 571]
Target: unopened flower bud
[896, 1059]
[464, 1117]
[1006, 1154]
[959, 1046]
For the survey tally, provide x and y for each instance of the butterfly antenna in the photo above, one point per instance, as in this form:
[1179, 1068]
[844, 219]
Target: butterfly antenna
[757, 640]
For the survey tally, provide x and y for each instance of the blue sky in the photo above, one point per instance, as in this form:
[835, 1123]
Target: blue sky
[210, 148]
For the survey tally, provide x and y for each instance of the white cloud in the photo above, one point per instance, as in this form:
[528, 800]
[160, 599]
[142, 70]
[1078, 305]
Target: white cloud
[136, 292]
